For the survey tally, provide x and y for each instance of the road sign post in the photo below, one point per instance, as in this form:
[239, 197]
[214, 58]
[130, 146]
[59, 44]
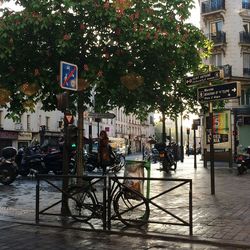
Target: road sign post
[209, 76]
[101, 115]
[219, 92]
[213, 93]
[68, 76]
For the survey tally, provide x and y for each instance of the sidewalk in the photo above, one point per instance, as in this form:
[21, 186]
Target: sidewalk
[223, 218]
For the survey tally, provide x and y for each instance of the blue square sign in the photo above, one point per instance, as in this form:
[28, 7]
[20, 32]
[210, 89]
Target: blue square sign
[68, 76]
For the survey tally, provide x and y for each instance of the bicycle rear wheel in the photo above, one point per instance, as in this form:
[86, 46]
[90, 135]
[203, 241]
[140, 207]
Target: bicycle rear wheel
[131, 208]
[81, 204]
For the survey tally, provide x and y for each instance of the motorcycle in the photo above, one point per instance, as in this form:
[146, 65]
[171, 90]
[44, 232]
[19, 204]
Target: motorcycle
[34, 158]
[166, 157]
[29, 159]
[243, 162]
[8, 167]
[152, 155]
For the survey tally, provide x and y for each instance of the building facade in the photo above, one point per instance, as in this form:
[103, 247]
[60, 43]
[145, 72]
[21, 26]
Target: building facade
[42, 125]
[227, 24]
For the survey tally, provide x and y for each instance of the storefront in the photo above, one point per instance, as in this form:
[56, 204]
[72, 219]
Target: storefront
[8, 138]
[24, 139]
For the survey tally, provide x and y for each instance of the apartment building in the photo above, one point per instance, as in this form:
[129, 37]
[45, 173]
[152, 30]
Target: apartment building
[227, 24]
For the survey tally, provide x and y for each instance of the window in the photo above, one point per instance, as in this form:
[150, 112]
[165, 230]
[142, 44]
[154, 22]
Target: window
[215, 4]
[216, 27]
[47, 122]
[245, 4]
[246, 26]
[246, 64]
[28, 122]
[245, 97]
[216, 59]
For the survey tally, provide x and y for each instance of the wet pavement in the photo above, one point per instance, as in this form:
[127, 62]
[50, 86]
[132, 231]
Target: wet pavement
[220, 221]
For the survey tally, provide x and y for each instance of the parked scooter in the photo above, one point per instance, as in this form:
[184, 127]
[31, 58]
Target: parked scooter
[166, 157]
[8, 167]
[243, 162]
[29, 159]
[43, 162]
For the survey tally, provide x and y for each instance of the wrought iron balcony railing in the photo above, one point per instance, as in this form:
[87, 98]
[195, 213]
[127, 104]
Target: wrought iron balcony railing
[246, 71]
[217, 37]
[244, 37]
[212, 5]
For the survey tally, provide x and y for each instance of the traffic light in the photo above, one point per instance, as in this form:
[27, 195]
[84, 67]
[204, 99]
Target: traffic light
[72, 134]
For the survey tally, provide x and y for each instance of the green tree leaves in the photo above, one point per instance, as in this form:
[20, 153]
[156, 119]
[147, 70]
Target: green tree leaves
[106, 39]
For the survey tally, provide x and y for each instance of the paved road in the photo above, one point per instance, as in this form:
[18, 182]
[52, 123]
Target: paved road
[222, 218]
[14, 236]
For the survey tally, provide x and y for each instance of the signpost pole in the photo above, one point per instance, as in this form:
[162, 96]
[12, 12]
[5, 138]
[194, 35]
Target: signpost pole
[182, 149]
[211, 147]
[195, 158]
[211, 144]
[188, 133]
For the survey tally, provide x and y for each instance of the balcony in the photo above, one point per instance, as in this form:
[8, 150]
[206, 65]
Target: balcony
[244, 38]
[245, 10]
[246, 5]
[212, 6]
[246, 72]
[212, 9]
[218, 38]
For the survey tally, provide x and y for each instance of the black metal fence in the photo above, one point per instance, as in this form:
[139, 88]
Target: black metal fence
[166, 206]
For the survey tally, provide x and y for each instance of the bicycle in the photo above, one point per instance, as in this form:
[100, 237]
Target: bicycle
[130, 206]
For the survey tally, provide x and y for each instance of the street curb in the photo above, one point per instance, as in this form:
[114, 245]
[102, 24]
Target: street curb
[173, 238]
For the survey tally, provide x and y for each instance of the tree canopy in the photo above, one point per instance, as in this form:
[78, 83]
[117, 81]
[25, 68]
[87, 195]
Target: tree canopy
[145, 44]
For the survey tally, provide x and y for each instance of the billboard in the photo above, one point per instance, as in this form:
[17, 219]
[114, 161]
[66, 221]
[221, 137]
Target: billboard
[221, 129]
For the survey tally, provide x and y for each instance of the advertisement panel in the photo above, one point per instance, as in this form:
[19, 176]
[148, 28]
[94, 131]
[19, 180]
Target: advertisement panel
[221, 128]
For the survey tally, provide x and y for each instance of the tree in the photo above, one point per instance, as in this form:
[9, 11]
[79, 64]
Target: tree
[117, 42]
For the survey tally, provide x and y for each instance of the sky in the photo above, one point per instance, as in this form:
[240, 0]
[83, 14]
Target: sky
[195, 14]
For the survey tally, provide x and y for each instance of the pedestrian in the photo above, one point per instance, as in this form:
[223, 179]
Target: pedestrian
[106, 155]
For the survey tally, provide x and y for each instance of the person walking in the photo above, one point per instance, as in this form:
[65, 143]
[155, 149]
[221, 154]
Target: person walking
[106, 155]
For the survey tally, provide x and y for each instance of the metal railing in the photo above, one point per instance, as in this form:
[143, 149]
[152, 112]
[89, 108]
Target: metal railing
[211, 6]
[159, 201]
[217, 37]
[246, 72]
[244, 37]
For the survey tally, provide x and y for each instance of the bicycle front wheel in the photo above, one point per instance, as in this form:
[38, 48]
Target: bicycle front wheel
[81, 204]
[131, 208]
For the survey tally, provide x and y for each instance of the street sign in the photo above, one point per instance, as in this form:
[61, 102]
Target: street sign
[210, 76]
[102, 115]
[219, 92]
[68, 76]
